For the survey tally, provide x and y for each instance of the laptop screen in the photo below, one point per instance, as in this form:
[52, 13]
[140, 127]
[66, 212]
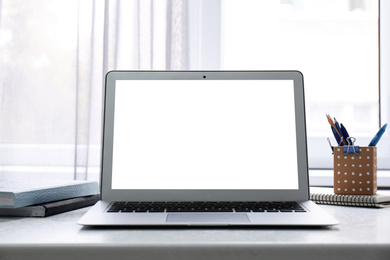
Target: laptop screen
[209, 134]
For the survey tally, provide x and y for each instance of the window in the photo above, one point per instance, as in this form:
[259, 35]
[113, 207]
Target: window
[54, 55]
[335, 45]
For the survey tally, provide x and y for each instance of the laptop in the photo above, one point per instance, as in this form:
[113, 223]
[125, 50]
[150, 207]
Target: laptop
[205, 148]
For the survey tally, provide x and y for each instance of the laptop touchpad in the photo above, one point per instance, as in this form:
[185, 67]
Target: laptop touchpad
[207, 218]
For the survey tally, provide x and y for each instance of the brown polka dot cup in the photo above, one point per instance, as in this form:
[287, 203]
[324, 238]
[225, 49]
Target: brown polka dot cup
[355, 170]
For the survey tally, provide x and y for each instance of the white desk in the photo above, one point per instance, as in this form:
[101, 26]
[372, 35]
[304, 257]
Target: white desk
[363, 233]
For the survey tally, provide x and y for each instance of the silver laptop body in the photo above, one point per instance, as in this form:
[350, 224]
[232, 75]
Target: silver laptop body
[190, 137]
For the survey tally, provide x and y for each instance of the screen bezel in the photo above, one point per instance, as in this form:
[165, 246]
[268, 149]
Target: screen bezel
[110, 194]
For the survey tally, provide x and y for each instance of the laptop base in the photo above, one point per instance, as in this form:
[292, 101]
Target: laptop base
[314, 216]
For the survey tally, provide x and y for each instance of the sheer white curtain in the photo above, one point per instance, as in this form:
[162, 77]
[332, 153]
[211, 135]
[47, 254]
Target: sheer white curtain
[53, 58]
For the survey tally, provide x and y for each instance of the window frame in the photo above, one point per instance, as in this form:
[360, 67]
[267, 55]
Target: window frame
[384, 82]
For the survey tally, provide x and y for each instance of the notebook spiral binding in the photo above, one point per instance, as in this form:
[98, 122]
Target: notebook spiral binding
[344, 200]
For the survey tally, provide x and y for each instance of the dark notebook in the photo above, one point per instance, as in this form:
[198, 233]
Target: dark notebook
[51, 208]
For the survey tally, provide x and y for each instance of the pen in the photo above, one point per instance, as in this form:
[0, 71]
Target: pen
[339, 129]
[336, 136]
[344, 132]
[378, 136]
[330, 144]
[337, 126]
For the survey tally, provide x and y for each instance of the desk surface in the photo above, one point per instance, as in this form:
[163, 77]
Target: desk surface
[363, 233]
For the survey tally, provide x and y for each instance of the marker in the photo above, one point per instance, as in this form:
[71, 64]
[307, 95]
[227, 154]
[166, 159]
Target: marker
[378, 136]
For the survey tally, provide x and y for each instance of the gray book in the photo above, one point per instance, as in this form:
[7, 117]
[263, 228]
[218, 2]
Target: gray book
[16, 194]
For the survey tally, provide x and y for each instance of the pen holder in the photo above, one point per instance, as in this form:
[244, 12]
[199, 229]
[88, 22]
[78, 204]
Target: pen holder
[355, 170]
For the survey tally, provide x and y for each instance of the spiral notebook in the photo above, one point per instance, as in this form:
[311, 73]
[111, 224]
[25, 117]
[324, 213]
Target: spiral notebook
[326, 196]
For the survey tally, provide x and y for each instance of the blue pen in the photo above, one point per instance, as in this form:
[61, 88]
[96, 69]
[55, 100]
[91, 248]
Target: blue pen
[338, 139]
[340, 130]
[344, 132]
[378, 136]
[337, 125]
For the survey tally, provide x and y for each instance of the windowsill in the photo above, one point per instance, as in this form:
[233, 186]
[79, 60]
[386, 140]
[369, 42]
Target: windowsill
[319, 178]
[325, 178]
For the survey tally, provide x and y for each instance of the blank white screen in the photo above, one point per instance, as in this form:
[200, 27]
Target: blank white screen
[173, 134]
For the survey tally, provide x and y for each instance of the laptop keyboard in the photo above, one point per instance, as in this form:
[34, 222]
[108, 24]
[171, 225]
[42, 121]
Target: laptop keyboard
[151, 207]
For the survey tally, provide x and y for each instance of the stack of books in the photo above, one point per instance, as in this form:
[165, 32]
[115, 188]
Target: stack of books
[45, 198]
